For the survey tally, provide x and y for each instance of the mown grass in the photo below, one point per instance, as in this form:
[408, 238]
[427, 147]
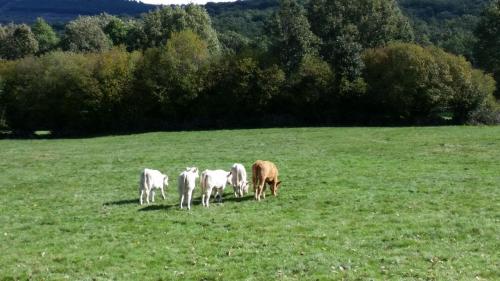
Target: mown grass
[355, 204]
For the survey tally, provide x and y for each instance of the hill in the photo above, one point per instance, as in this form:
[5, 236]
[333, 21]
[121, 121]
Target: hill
[65, 10]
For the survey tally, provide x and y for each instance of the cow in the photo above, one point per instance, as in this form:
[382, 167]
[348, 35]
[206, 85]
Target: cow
[238, 178]
[211, 179]
[264, 172]
[149, 181]
[187, 182]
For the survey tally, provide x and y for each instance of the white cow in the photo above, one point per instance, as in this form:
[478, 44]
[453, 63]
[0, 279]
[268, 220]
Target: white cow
[187, 182]
[149, 181]
[211, 179]
[238, 179]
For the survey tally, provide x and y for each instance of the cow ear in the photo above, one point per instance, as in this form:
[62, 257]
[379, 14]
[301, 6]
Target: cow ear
[279, 182]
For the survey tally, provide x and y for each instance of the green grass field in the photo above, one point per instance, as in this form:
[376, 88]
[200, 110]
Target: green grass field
[355, 204]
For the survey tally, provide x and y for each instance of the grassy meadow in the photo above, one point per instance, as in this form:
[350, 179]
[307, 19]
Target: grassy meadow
[355, 204]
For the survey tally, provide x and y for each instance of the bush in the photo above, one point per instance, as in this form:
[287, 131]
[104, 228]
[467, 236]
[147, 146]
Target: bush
[413, 84]
[63, 91]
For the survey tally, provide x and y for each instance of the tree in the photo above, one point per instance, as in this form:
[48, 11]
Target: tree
[117, 30]
[18, 41]
[347, 27]
[409, 83]
[294, 36]
[85, 34]
[158, 25]
[171, 77]
[487, 50]
[45, 35]
[310, 87]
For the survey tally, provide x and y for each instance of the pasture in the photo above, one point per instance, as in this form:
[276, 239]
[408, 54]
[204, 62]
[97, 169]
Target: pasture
[355, 204]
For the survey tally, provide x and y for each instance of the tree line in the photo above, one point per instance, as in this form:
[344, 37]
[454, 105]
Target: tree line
[323, 63]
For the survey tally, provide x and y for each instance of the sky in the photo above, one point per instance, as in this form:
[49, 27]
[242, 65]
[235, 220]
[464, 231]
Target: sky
[168, 2]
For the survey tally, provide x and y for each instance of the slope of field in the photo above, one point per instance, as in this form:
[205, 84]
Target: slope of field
[355, 204]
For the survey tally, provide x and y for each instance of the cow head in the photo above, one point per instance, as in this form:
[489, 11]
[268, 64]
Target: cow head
[244, 186]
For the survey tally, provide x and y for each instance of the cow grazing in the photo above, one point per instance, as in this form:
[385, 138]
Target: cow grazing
[149, 181]
[187, 182]
[238, 178]
[264, 172]
[211, 179]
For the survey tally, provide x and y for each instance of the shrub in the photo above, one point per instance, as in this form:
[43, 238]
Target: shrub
[414, 84]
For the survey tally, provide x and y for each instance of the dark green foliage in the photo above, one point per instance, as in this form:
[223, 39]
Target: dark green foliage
[448, 24]
[160, 24]
[171, 77]
[293, 35]
[241, 92]
[247, 18]
[67, 91]
[371, 22]
[117, 30]
[412, 84]
[85, 34]
[45, 35]
[347, 27]
[487, 49]
[184, 77]
[17, 41]
[311, 87]
[233, 42]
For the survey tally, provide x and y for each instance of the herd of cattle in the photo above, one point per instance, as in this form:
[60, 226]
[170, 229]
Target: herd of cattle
[211, 181]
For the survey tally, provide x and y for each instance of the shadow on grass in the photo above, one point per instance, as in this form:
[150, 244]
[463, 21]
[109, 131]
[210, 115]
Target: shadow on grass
[122, 202]
[195, 202]
[156, 208]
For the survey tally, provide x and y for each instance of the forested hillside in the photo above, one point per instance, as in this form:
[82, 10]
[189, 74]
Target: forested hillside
[253, 64]
[65, 10]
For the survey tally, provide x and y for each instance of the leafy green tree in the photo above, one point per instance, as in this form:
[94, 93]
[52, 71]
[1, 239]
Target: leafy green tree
[173, 76]
[311, 86]
[413, 84]
[294, 35]
[17, 41]
[377, 21]
[347, 27]
[45, 35]
[85, 34]
[158, 25]
[117, 30]
[487, 50]
[233, 42]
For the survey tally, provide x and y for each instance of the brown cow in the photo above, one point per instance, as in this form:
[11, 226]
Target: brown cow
[264, 172]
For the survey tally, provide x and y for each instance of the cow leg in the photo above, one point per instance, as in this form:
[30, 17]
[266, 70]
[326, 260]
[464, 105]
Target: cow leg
[189, 199]
[163, 194]
[153, 195]
[147, 196]
[141, 195]
[182, 198]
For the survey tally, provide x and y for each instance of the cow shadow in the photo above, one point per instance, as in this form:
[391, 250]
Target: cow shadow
[156, 208]
[231, 198]
[122, 202]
